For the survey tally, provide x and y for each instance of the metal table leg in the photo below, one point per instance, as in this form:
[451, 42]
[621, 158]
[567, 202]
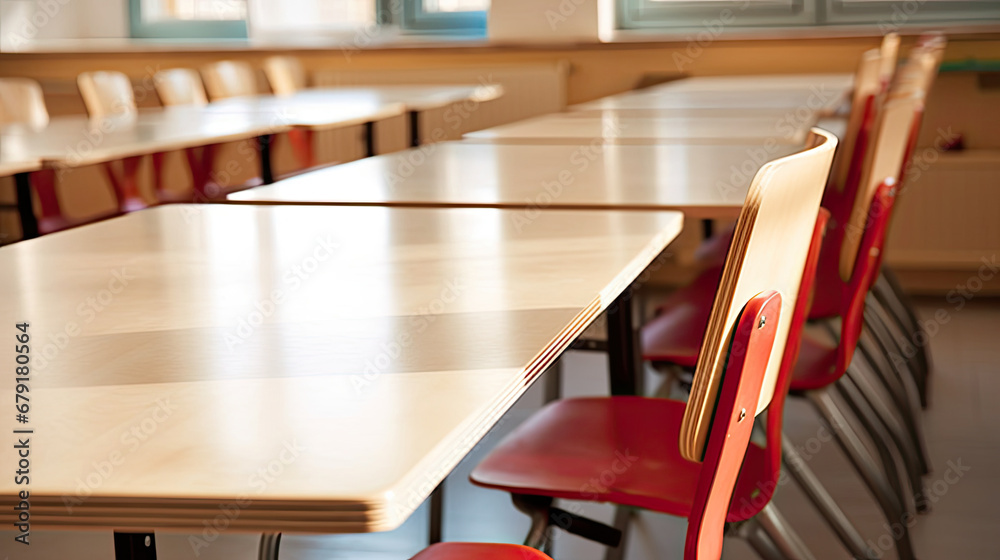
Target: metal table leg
[264, 150]
[623, 350]
[135, 546]
[414, 129]
[29, 224]
[369, 139]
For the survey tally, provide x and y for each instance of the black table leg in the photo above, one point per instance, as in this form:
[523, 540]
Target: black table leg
[707, 228]
[135, 546]
[369, 139]
[414, 129]
[623, 351]
[29, 224]
[264, 150]
[436, 514]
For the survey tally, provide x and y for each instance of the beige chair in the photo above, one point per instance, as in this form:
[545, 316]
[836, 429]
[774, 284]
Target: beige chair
[889, 52]
[868, 87]
[106, 93]
[22, 102]
[285, 74]
[180, 86]
[229, 78]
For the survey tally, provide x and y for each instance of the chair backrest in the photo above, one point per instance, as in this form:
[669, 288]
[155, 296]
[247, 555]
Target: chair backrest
[768, 253]
[285, 74]
[22, 102]
[106, 93]
[179, 86]
[867, 87]
[753, 340]
[229, 78]
[889, 51]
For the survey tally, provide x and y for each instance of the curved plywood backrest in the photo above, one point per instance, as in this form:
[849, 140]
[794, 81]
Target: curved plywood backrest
[867, 86]
[889, 52]
[229, 78]
[106, 93]
[285, 74]
[180, 86]
[22, 102]
[768, 252]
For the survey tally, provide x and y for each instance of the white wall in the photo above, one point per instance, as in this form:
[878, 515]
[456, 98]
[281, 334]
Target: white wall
[25, 21]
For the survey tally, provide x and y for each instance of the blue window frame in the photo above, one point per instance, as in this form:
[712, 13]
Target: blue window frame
[467, 17]
[194, 19]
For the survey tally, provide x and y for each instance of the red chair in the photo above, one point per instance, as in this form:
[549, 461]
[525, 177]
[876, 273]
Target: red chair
[480, 551]
[669, 468]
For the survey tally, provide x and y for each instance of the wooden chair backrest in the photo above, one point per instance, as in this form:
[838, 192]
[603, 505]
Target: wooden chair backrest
[22, 102]
[891, 142]
[867, 86]
[229, 78]
[179, 86]
[889, 52]
[106, 93]
[285, 74]
[768, 253]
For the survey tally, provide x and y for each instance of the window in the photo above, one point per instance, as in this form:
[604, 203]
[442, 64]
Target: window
[193, 19]
[712, 15]
[445, 16]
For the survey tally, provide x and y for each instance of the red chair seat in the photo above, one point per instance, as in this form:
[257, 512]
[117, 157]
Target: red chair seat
[619, 449]
[816, 367]
[480, 551]
[675, 334]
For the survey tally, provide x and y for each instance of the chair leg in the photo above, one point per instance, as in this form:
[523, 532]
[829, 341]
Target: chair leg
[823, 501]
[889, 436]
[903, 339]
[864, 464]
[537, 508]
[788, 541]
[267, 548]
[904, 392]
[889, 292]
[623, 520]
[759, 541]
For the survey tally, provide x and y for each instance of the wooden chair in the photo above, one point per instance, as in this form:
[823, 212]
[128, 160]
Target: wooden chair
[109, 95]
[889, 53]
[22, 102]
[285, 74]
[229, 78]
[689, 456]
[179, 86]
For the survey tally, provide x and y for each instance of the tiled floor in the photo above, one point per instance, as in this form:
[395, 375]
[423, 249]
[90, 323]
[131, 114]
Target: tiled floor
[961, 429]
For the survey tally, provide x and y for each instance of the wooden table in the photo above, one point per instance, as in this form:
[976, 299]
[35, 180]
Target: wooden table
[417, 98]
[758, 82]
[703, 181]
[790, 100]
[305, 369]
[11, 164]
[607, 126]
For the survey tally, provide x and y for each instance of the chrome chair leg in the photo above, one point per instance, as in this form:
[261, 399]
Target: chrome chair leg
[759, 541]
[787, 540]
[835, 517]
[856, 451]
[268, 547]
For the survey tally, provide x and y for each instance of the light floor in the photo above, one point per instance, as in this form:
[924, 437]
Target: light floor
[961, 427]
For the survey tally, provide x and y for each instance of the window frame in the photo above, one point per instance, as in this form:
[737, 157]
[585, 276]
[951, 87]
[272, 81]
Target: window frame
[183, 29]
[928, 12]
[694, 14]
[416, 19]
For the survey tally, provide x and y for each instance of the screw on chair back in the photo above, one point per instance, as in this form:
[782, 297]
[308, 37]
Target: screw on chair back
[768, 253]
[285, 74]
[106, 93]
[229, 78]
[180, 86]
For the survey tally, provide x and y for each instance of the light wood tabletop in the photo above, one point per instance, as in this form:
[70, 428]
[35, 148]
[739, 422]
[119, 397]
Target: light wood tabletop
[78, 140]
[313, 109]
[610, 127]
[704, 181]
[12, 165]
[791, 100]
[415, 97]
[758, 82]
[312, 369]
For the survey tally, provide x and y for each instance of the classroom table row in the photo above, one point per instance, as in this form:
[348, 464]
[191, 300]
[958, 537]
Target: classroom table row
[355, 329]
